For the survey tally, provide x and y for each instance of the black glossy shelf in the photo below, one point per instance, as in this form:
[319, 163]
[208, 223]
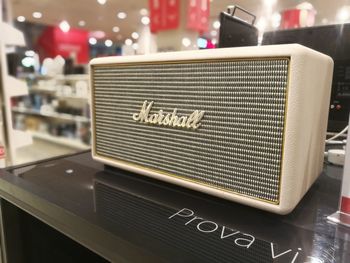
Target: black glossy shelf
[125, 217]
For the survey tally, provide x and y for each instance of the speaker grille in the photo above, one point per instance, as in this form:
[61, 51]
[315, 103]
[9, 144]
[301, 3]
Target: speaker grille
[237, 148]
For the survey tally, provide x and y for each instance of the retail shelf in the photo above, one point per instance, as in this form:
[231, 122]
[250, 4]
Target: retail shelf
[71, 97]
[46, 90]
[16, 87]
[21, 138]
[11, 87]
[61, 96]
[69, 142]
[11, 35]
[63, 116]
[57, 95]
[73, 77]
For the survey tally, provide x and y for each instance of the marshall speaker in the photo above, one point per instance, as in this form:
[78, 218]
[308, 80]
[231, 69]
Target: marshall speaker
[245, 124]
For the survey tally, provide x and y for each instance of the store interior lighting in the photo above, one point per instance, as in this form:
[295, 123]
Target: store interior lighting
[216, 24]
[121, 15]
[276, 20]
[64, 26]
[21, 19]
[92, 41]
[37, 15]
[29, 53]
[128, 42]
[145, 20]
[186, 42]
[135, 35]
[108, 43]
[343, 14]
[144, 12]
[101, 2]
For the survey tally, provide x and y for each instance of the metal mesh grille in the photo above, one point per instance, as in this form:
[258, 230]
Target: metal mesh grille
[238, 146]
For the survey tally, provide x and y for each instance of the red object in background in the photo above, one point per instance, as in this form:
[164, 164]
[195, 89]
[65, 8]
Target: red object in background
[53, 42]
[345, 205]
[198, 15]
[2, 151]
[164, 14]
[290, 19]
[210, 44]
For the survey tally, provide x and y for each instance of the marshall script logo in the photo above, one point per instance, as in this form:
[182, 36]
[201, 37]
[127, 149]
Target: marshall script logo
[191, 121]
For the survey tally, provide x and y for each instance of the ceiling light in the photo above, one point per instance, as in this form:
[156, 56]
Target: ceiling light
[101, 2]
[214, 33]
[135, 46]
[145, 20]
[92, 41]
[64, 26]
[108, 43]
[270, 2]
[343, 14]
[29, 53]
[144, 12]
[135, 35]
[116, 29]
[214, 41]
[186, 42]
[216, 24]
[21, 19]
[81, 23]
[276, 20]
[37, 15]
[128, 42]
[121, 15]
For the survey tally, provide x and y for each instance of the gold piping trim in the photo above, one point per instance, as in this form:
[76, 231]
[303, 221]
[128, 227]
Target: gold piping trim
[160, 172]
[190, 61]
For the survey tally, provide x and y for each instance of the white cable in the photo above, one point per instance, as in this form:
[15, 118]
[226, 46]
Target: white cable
[337, 135]
[337, 142]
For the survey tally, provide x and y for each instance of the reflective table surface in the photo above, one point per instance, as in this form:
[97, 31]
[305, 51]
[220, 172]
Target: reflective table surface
[125, 217]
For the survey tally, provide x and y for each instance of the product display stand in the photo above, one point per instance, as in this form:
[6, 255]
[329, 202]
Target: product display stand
[87, 212]
[343, 215]
[10, 87]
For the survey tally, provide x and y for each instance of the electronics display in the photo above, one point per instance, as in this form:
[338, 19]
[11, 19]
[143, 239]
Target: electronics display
[233, 122]
[333, 41]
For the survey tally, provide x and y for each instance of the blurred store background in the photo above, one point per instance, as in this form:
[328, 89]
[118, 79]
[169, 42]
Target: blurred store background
[46, 46]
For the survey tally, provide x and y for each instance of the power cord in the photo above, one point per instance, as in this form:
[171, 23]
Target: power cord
[337, 135]
[336, 156]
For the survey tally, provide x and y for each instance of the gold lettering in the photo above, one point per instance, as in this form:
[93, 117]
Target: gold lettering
[173, 119]
[142, 116]
[160, 117]
[197, 117]
[170, 119]
[182, 121]
[166, 120]
[153, 118]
